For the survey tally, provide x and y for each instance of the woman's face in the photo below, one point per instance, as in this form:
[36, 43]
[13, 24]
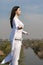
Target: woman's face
[18, 12]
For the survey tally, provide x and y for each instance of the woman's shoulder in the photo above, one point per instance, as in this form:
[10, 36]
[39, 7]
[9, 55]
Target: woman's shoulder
[15, 19]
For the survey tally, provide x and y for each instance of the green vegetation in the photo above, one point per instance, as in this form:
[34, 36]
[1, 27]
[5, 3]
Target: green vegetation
[5, 47]
[36, 45]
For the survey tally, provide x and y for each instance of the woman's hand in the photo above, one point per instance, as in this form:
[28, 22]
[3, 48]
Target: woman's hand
[28, 33]
[19, 27]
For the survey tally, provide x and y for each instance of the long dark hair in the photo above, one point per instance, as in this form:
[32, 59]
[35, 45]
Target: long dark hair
[14, 9]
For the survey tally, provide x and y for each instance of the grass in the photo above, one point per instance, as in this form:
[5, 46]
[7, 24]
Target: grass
[36, 45]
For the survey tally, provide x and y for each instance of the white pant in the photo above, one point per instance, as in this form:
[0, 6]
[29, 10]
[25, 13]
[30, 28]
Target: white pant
[15, 53]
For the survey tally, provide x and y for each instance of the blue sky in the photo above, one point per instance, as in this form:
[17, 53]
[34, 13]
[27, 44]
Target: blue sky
[28, 6]
[32, 17]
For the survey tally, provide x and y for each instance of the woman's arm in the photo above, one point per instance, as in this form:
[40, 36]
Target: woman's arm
[25, 32]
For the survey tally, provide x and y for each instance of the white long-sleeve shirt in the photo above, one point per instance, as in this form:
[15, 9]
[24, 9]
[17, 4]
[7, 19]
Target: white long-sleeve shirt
[15, 33]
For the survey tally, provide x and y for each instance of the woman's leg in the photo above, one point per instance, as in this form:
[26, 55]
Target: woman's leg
[16, 52]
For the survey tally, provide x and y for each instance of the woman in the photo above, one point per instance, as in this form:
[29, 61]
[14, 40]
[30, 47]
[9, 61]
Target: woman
[15, 36]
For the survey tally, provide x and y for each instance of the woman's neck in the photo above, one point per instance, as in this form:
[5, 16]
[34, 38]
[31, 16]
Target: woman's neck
[16, 15]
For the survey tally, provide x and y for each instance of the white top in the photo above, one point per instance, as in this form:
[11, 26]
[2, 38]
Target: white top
[15, 33]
